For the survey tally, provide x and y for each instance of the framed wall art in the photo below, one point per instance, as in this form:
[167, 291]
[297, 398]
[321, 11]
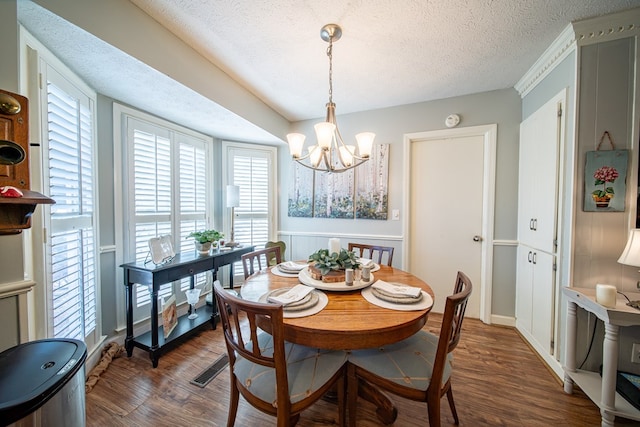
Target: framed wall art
[605, 176]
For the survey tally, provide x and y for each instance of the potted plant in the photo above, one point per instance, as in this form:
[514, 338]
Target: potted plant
[326, 262]
[204, 239]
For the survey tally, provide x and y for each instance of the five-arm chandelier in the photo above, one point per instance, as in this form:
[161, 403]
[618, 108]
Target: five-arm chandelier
[331, 154]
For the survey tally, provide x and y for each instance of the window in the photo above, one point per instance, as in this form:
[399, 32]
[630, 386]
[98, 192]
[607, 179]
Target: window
[67, 118]
[166, 188]
[252, 168]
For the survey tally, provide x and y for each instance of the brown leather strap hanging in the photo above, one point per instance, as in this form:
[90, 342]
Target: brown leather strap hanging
[606, 135]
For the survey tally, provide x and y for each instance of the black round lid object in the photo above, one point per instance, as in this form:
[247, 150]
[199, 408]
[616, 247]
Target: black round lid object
[33, 372]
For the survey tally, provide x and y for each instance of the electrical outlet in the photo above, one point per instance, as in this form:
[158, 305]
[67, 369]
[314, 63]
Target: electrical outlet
[635, 353]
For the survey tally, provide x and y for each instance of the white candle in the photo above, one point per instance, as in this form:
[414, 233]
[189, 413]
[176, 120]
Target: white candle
[334, 246]
[348, 276]
[606, 295]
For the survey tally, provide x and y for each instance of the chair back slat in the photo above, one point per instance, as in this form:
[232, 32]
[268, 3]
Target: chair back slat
[242, 337]
[451, 328]
[260, 258]
[373, 252]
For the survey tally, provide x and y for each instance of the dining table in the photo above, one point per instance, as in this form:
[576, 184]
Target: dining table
[348, 321]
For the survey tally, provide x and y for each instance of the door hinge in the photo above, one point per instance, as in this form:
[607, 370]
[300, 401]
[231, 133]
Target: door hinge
[555, 267]
[559, 110]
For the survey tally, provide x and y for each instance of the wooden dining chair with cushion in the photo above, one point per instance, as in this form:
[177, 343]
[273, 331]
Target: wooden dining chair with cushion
[275, 376]
[283, 248]
[372, 252]
[417, 368]
[260, 258]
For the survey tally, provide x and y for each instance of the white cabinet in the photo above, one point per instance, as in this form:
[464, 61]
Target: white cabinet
[538, 177]
[541, 137]
[535, 298]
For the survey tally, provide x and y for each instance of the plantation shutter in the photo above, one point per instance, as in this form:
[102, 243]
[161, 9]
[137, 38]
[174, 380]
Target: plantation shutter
[251, 170]
[169, 187]
[71, 250]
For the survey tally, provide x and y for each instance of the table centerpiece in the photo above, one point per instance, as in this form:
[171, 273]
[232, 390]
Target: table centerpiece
[330, 267]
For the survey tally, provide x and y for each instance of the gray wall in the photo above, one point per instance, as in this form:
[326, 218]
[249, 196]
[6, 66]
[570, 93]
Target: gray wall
[390, 125]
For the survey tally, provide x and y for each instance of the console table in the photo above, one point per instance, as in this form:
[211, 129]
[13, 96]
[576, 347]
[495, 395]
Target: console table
[602, 391]
[182, 265]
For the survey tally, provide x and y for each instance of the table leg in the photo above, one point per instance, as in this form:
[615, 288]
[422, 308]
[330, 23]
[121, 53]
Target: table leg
[572, 331]
[386, 412]
[155, 348]
[128, 341]
[609, 373]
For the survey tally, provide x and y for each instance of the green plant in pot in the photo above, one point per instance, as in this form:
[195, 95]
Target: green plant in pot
[326, 262]
[204, 239]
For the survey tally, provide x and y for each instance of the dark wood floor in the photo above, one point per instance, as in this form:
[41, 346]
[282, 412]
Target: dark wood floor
[497, 381]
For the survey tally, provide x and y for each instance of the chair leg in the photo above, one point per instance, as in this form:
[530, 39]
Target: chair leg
[433, 407]
[342, 404]
[452, 405]
[233, 403]
[352, 394]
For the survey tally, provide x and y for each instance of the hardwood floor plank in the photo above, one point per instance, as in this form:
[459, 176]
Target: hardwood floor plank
[497, 381]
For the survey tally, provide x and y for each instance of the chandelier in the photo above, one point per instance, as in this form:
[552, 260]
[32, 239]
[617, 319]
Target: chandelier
[330, 154]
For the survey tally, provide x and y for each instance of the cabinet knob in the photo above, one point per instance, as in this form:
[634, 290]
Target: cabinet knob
[477, 238]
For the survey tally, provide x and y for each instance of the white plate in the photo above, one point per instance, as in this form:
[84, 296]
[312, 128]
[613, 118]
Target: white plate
[323, 300]
[275, 270]
[306, 279]
[424, 303]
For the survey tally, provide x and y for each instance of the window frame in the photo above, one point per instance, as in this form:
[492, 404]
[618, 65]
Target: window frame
[123, 168]
[271, 152]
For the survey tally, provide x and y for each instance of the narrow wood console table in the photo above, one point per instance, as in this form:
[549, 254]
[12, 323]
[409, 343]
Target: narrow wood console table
[602, 391]
[183, 265]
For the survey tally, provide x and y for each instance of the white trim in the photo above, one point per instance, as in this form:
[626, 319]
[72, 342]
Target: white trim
[499, 242]
[489, 132]
[500, 320]
[561, 47]
[340, 235]
[608, 27]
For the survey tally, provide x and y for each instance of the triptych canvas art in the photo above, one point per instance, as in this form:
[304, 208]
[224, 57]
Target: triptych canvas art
[360, 193]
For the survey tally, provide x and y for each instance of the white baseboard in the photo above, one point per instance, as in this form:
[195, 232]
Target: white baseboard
[497, 319]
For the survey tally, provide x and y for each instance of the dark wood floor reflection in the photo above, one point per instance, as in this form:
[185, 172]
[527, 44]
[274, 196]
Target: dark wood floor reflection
[497, 381]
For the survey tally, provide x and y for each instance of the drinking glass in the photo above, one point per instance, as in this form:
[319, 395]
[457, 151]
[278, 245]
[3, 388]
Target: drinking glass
[192, 298]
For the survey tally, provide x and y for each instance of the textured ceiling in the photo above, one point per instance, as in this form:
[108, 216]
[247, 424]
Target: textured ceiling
[392, 52]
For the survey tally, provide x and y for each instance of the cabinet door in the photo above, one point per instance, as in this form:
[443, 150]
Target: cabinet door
[540, 136]
[524, 288]
[543, 300]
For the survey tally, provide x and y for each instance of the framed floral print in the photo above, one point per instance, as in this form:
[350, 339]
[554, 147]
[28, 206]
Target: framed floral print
[605, 176]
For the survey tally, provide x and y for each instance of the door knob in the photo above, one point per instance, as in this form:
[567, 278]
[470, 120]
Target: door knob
[477, 238]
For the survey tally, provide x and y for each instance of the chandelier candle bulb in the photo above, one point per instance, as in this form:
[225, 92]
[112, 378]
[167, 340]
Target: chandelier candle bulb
[334, 246]
[606, 295]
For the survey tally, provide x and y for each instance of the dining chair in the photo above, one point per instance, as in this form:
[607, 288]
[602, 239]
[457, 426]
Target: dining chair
[373, 252]
[275, 376]
[261, 258]
[416, 368]
[283, 248]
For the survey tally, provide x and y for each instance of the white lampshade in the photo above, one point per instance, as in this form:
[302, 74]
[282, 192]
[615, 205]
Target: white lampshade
[233, 196]
[324, 133]
[365, 143]
[296, 142]
[631, 253]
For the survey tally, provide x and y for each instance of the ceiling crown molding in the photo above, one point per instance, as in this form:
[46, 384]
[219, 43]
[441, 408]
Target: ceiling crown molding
[561, 47]
[608, 27]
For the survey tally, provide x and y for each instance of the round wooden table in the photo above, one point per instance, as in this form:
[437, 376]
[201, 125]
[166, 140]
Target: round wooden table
[348, 321]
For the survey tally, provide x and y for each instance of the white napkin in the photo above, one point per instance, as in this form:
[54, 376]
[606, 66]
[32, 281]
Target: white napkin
[292, 295]
[406, 291]
[366, 262]
[293, 265]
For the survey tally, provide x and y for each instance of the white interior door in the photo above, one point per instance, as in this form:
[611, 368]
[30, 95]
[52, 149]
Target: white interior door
[450, 224]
